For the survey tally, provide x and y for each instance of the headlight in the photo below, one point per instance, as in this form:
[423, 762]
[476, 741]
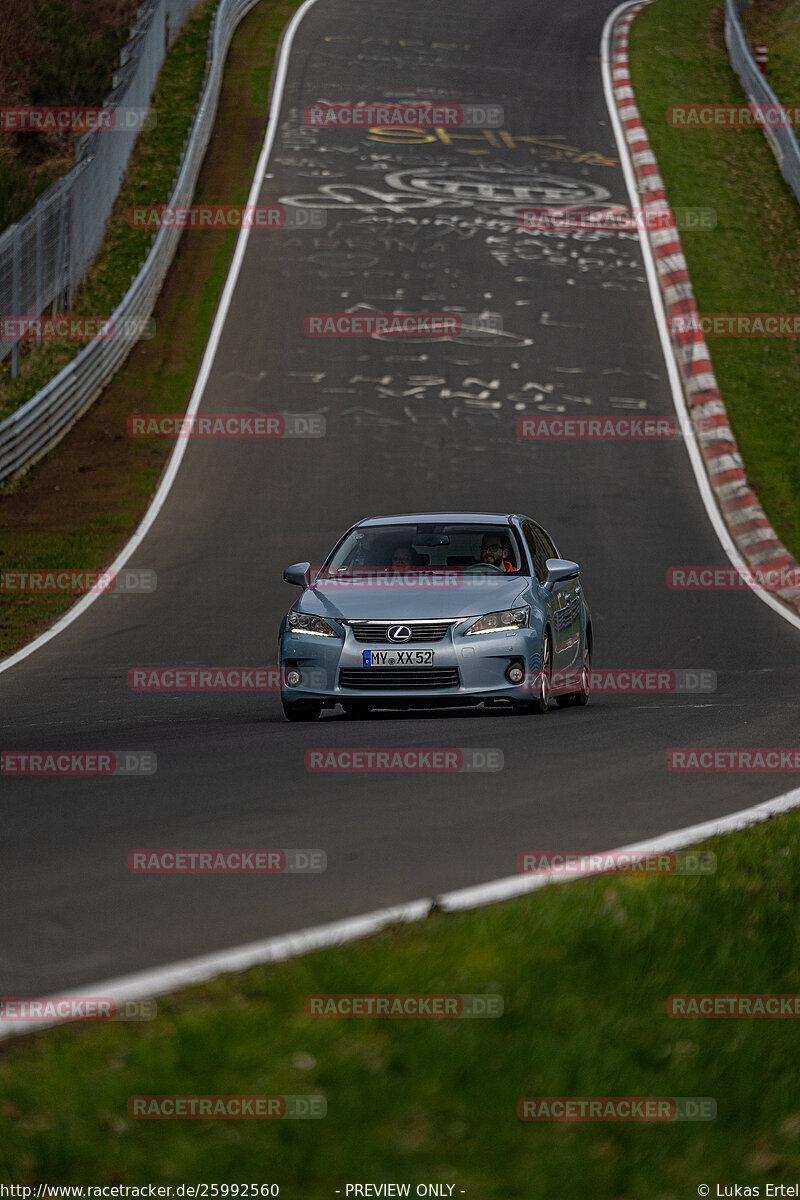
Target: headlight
[496, 622]
[299, 622]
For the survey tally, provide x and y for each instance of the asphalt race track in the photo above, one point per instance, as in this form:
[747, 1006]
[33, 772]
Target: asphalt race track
[421, 224]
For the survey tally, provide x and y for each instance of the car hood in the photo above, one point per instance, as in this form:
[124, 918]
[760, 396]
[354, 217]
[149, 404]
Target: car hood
[464, 597]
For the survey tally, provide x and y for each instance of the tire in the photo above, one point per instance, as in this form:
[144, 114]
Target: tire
[357, 708]
[581, 698]
[302, 710]
[541, 704]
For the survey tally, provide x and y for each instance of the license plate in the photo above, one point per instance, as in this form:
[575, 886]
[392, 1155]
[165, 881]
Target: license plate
[398, 658]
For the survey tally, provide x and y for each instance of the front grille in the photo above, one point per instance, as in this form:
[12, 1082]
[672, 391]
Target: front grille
[421, 631]
[399, 678]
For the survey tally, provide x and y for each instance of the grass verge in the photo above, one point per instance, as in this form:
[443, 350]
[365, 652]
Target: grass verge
[79, 505]
[751, 262]
[776, 23]
[59, 52]
[584, 970]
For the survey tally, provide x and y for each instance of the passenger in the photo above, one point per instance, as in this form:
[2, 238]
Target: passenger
[495, 549]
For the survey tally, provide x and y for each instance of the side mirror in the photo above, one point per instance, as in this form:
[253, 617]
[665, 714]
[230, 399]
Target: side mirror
[558, 569]
[299, 574]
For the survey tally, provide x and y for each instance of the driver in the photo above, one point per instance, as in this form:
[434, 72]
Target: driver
[405, 556]
[495, 549]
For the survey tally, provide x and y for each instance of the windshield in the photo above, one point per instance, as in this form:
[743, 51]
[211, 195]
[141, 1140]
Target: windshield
[431, 547]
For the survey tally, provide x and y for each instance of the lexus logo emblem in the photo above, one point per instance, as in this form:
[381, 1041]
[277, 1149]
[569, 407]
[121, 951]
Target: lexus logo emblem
[398, 633]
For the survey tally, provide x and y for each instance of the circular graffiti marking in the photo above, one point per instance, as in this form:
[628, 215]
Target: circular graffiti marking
[496, 186]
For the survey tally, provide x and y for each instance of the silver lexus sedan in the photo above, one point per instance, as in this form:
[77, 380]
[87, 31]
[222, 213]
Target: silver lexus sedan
[436, 609]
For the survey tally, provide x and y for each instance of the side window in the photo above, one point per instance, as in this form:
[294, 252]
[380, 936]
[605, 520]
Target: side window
[550, 549]
[537, 551]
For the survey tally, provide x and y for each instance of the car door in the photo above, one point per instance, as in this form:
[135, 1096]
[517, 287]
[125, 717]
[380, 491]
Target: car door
[554, 602]
[560, 601]
[568, 593]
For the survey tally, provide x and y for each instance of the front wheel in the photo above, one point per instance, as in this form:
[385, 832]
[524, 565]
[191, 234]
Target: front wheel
[542, 702]
[581, 697]
[302, 710]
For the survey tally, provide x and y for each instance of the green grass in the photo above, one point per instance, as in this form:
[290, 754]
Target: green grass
[77, 53]
[148, 181]
[778, 27]
[751, 261]
[584, 969]
[55, 52]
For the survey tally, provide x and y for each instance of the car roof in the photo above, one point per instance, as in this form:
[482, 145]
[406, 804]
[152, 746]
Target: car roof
[440, 518]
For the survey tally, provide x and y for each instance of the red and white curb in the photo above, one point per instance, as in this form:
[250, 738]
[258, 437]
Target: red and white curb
[747, 524]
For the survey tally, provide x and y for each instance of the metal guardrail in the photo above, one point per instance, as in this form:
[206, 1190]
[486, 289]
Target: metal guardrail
[39, 424]
[782, 139]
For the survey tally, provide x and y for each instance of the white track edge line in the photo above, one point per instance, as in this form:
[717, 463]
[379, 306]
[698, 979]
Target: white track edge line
[696, 459]
[158, 981]
[209, 354]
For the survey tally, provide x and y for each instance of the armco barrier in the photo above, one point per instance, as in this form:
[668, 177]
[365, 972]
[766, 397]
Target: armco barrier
[782, 139]
[40, 423]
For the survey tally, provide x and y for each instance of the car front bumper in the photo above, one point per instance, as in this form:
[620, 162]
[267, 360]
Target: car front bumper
[474, 666]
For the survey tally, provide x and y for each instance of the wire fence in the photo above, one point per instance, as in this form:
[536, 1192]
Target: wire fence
[781, 138]
[40, 423]
[46, 254]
